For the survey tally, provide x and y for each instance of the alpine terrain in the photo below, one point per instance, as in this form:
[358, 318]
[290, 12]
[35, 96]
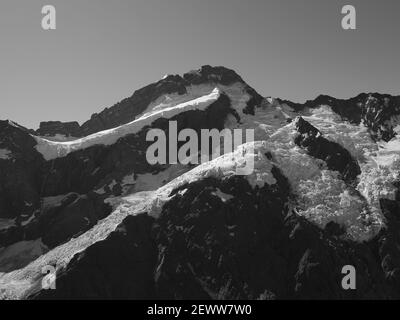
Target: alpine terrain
[324, 194]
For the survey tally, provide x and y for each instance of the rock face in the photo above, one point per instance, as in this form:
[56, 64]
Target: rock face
[131, 248]
[248, 247]
[388, 242]
[29, 181]
[18, 188]
[335, 156]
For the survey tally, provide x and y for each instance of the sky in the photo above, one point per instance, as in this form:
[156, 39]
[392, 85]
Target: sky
[102, 50]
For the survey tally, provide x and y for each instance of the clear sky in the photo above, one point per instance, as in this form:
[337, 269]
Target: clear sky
[103, 50]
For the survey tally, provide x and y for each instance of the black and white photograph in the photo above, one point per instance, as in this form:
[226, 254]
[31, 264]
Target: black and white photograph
[223, 152]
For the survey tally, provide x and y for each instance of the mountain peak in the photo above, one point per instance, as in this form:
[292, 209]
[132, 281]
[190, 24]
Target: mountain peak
[128, 109]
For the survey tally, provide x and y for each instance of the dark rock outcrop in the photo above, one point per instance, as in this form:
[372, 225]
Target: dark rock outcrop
[336, 157]
[91, 168]
[52, 128]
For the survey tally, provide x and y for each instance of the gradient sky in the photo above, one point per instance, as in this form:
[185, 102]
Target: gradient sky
[103, 50]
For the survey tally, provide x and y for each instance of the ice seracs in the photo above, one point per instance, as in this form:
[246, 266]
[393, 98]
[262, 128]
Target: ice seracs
[166, 106]
[322, 196]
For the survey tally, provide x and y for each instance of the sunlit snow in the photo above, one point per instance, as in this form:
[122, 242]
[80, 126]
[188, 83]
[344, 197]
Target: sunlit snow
[51, 149]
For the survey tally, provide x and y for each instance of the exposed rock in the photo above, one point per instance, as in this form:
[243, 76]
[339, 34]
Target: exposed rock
[389, 243]
[52, 128]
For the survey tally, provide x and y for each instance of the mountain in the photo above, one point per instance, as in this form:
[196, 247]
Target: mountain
[128, 109]
[324, 193]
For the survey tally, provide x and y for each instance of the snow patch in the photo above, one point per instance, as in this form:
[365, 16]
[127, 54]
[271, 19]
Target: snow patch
[223, 196]
[5, 154]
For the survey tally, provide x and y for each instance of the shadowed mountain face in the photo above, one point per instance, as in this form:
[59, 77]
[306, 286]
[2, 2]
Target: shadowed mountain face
[324, 193]
[202, 247]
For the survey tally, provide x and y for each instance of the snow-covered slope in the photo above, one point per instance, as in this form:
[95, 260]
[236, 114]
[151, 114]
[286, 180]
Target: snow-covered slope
[17, 283]
[322, 194]
[52, 149]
